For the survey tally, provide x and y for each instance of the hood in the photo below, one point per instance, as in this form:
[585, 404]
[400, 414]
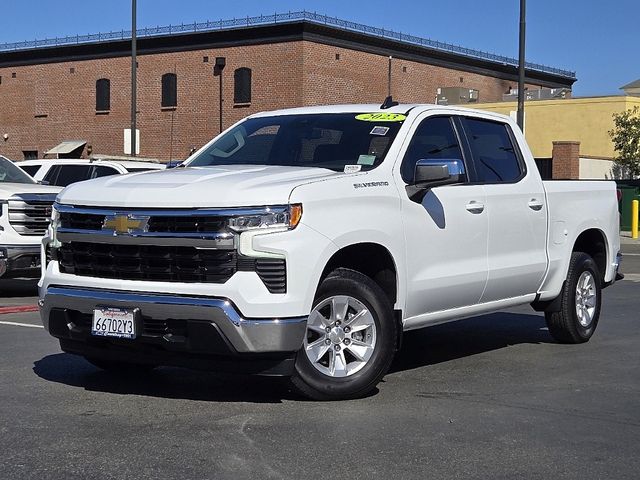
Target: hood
[9, 189]
[199, 187]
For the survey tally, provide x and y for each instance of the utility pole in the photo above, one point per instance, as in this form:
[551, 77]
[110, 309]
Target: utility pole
[521, 62]
[134, 68]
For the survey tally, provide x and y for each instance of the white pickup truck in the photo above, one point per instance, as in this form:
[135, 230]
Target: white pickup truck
[303, 242]
[25, 210]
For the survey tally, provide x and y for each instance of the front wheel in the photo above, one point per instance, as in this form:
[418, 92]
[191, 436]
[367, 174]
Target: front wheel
[350, 340]
[581, 299]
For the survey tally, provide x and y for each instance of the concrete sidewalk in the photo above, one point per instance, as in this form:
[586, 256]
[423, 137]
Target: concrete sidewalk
[628, 244]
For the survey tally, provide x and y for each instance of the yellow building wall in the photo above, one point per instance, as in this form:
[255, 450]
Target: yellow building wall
[587, 120]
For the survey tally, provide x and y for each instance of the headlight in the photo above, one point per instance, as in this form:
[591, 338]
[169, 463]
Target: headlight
[54, 225]
[281, 217]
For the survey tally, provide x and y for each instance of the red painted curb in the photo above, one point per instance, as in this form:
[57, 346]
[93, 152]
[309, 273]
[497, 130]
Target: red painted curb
[18, 309]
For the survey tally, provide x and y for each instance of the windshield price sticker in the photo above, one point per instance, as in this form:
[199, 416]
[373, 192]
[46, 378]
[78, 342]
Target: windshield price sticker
[379, 131]
[366, 159]
[381, 117]
[352, 168]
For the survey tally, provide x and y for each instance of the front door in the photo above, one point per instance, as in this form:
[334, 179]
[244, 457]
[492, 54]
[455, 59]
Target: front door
[445, 227]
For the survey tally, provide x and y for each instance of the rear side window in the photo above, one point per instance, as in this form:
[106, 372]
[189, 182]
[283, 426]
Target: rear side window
[494, 153]
[63, 175]
[102, 171]
[30, 169]
[434, 138]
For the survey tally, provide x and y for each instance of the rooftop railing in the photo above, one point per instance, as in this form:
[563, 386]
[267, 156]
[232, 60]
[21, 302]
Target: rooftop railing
[289, 17]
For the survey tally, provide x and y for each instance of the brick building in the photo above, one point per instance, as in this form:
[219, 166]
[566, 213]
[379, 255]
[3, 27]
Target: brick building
[80, 90]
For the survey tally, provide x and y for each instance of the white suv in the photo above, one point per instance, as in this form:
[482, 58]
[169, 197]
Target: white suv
[63, 172]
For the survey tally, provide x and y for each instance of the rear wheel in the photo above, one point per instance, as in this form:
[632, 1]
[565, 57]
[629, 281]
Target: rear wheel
[350, 340]
[580, 306]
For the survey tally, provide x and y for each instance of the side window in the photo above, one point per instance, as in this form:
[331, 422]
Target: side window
[103, 171]
[30, 169]
[169, 90]
[434, 138]
[494, 154]
[51, 175]
[69, 174]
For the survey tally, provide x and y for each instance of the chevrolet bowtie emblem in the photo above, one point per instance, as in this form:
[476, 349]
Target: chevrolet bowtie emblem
[123, 224]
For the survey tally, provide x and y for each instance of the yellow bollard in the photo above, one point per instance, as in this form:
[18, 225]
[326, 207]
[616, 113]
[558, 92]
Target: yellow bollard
[634, 219]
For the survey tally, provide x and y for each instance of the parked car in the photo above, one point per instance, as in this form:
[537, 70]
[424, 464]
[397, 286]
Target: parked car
[304, 242]
[25, 209]
[63, 172]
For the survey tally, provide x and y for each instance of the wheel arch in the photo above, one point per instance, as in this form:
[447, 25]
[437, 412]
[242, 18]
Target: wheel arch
[371, 259]
[593, 242]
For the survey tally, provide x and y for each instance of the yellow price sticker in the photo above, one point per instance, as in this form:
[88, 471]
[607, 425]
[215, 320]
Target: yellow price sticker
[381, 117]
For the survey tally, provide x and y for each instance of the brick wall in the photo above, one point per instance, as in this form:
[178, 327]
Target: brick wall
[45, 104]
[566, 160]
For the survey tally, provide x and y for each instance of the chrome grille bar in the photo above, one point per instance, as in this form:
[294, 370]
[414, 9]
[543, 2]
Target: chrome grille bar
[30, 214]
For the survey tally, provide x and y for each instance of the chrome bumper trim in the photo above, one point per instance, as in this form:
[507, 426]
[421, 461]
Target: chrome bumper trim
[245, 334]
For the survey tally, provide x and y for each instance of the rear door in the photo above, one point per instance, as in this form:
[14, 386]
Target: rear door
[516, 210]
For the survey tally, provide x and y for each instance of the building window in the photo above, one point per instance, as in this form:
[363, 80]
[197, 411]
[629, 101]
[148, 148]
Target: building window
[103, 95]
[31, 155]
[242, 85]
[205, 59]
[169, 90]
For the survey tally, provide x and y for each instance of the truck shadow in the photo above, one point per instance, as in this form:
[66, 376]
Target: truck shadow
[471, 336]
[18, 288]
[438, 344]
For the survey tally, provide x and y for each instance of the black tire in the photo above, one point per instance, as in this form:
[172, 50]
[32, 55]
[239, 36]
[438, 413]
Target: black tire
[565, 325]
[310, 382]
[122, 368]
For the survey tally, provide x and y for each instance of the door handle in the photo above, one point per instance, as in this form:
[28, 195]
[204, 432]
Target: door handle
[535, 204]
[475, 207]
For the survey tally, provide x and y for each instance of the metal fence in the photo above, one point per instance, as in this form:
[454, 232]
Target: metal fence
[313, 17]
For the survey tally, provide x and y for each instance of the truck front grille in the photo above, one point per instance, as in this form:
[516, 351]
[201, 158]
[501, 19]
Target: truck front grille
[157, 223]
[147, 262]
[30, 214]
[183, 245]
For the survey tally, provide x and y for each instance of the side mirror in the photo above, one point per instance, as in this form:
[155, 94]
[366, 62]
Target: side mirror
[440, 171]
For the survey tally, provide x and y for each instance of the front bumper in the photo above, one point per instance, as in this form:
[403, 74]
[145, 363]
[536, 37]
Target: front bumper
[20, 261]
[172, 329]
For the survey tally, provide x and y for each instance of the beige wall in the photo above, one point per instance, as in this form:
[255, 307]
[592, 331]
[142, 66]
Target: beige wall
[586, 120]
[595, 169]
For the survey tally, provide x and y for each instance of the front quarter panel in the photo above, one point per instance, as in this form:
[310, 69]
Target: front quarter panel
[352, 209]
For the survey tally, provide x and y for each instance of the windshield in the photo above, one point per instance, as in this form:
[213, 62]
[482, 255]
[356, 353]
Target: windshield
[330, 141]
[9, 173]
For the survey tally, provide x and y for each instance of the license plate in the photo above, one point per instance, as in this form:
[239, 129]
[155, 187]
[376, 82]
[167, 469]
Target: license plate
[113, 322]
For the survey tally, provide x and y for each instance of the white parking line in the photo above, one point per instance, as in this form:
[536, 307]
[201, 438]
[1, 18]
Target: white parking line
[18, 324]
[631, 254]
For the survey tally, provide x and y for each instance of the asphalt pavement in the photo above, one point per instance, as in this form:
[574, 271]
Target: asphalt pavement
[491, 397]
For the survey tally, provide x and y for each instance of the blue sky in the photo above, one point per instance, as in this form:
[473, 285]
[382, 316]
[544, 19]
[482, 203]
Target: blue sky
[598, 39]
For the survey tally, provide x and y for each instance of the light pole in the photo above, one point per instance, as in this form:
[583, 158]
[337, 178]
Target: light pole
[217, 70]
[134, 68]
[521, 62]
